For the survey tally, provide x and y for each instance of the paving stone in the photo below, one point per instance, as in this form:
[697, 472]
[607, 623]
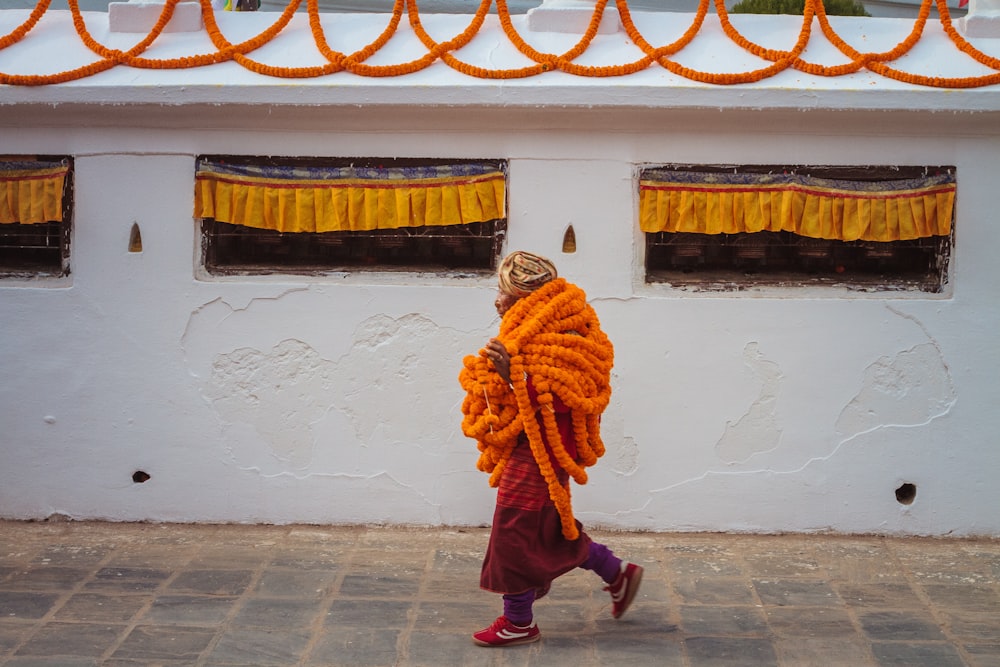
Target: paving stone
[310, 558]
[859, 561]
[46, 578]
[211, 582]
[72, 639]
[278, 613]
[165, 643]
[50, 661]
[260, 646]
[782, 565]
[553, 617]
[357, 647]
[363, 585]
[824, 652]
[722, 621]
[428, 650]
[984, 655]
[907, 654]
[964, 597]
[455, 617]
[899, 625]
[188, 610]
[729, 651]
[151, 556]
[716, 591]
[639, 648]
[127, 579]
[818, 622]
[71, 554]
[368, 613]
[295, 583]
[18, 604]
[464, 586]
[12, 632]
[974, 626]
[577, 649]
[96, 607]
[878, 595]
[941, 564]
[794, 593]
[715, 565]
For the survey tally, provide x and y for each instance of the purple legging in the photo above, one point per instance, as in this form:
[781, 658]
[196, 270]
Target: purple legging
[600, 559]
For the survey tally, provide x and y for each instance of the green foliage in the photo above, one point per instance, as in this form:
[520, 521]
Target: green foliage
[833, 7]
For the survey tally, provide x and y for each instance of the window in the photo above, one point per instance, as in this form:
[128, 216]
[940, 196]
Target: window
[863, 228]
[316, 215]
[35, 210]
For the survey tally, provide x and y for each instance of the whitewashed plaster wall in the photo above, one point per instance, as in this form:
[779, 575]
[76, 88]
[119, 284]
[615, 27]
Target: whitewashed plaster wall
[334, 399]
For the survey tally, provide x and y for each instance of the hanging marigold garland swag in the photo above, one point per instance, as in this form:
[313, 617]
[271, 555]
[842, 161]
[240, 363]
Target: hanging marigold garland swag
[552, 335]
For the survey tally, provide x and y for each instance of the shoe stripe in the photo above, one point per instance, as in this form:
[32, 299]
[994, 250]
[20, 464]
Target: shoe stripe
[507, 634]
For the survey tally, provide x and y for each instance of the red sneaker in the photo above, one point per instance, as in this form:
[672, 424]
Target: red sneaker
[624, 589]
[505, 633]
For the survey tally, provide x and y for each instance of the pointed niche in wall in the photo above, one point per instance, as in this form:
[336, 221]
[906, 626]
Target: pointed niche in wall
[569, 240]
[135, 239]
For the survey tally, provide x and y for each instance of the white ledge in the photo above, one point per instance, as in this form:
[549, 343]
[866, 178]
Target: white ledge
[141, 15]
[572, 16]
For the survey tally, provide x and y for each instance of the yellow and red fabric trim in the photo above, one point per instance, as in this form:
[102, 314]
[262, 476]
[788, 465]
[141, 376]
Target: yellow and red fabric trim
[31, 192]
[891, 210]
[295, 199]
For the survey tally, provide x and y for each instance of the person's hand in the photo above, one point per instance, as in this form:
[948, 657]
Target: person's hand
[497, 353]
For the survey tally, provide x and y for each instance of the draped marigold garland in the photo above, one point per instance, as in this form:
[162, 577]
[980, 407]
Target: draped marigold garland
[554, 337]
[781, 60]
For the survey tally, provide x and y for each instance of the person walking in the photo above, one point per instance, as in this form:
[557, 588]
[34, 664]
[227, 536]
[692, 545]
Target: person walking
[534, 398]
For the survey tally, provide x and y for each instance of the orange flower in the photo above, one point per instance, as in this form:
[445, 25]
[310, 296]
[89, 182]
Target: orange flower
[552, 335]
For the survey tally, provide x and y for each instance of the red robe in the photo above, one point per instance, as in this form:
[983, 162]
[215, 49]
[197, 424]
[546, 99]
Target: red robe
[527, 549]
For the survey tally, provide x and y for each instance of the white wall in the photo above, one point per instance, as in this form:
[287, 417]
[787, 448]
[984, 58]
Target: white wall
[336, 400]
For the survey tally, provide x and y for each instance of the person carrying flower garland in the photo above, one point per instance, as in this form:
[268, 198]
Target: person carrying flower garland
[534, 397]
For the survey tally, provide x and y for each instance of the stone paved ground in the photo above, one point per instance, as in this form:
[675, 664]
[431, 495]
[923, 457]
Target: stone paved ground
[125, 595]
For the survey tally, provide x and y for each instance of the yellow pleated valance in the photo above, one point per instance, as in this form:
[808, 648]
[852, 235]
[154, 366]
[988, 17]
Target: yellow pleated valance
[296, 199]
[32, 192]
[676, 201]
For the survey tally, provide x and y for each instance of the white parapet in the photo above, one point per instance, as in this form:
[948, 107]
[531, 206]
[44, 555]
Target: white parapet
[141, 16]
[983, 19]
[571, 16]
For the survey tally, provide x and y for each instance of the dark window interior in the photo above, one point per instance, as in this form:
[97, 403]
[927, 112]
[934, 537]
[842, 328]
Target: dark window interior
[735, 261]
[40, 249]
[235, 249]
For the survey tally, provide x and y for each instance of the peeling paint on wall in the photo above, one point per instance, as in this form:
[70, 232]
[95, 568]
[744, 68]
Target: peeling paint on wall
[288, 409]
[627, 459]
[757, 430]
[909, 389]
[280, 392]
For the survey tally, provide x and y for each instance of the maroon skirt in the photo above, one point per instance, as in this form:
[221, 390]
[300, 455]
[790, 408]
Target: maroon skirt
[527, 549]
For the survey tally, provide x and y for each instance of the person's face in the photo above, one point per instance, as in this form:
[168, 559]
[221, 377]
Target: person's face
[504, 301]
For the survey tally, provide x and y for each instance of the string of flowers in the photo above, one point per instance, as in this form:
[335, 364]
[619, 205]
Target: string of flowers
[877, 63]
[661, 52]
[20, 31]
[441, 50]
[554, 338]
[356, 59]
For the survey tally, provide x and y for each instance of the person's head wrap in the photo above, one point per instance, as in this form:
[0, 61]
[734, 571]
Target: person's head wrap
[521, 273]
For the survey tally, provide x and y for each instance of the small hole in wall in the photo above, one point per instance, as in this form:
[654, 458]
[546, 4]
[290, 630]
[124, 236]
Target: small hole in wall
[139, 476]
[906, 494]
[135, 239]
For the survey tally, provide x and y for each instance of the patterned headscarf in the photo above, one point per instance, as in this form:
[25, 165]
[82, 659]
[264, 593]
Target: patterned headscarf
[521, 273]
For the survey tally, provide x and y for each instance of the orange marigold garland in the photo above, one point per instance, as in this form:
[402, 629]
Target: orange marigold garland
[781, 60]
[552, 335]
